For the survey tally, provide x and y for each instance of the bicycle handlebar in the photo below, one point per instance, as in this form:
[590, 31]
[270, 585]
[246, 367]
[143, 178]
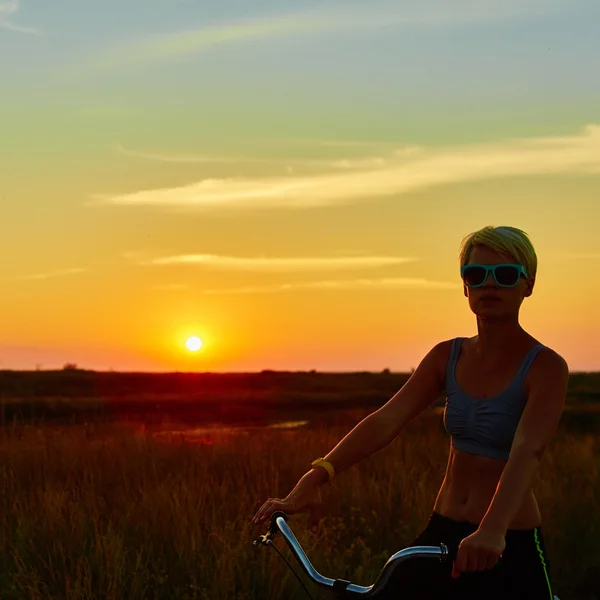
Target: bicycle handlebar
[344, 588]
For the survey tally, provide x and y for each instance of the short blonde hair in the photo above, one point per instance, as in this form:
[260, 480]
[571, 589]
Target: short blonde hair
[504, 240]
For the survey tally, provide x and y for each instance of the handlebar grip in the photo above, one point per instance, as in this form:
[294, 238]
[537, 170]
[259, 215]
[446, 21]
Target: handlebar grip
[273, 529]
[278, 513]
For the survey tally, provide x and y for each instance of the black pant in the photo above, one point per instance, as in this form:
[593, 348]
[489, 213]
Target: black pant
[522, 573]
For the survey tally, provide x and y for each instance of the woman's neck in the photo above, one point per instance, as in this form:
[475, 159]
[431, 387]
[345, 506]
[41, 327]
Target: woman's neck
[498, 337]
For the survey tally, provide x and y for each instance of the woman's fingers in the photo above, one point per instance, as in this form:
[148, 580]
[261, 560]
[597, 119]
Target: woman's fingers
[260, 512]
[263, 511]
[487, 561]
[271, 506]
[304, 497]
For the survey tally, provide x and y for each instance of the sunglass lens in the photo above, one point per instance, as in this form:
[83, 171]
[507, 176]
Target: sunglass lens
[507, 275]
[474, 275]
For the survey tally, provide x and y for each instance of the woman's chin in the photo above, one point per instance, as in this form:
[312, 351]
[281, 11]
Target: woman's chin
[488, 311]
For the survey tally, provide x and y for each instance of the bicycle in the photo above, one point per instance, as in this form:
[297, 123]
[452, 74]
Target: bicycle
[341, 588]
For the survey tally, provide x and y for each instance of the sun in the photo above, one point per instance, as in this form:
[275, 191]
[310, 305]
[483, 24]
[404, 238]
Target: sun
[193, 344]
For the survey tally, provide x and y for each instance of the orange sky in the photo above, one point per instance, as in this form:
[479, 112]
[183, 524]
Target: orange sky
[269, 187]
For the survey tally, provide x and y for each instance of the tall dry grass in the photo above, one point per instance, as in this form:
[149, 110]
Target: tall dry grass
[97, 511]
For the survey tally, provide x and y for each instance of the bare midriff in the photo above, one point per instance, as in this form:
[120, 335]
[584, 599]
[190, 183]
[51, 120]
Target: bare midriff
[469, 486]
[471, 480]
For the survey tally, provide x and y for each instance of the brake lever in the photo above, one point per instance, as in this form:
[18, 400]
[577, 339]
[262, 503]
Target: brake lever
[266, 539]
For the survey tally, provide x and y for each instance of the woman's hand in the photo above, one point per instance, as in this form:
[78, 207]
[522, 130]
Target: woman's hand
[479, 551]
[305, 497]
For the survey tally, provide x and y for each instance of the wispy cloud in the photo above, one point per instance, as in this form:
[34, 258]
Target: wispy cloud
[388, 283]
[345, 17]
[59, 273]
[9, 8]
[180, 158]
[191, 41]
[280, 264]
[311, 142]
[405, 171]
[342, 163]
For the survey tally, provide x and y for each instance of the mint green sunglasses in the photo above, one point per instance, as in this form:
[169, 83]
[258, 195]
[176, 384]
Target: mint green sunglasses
[505, 274]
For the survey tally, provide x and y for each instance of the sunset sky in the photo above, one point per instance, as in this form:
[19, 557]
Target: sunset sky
[289, 181]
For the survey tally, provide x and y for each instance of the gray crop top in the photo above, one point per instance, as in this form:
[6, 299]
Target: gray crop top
[484, 426]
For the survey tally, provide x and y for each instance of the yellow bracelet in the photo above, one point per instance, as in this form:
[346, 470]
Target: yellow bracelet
[321, 462]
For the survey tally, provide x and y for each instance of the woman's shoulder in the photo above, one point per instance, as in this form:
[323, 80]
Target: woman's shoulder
[549, 358]
[546, 365]
[444, 347]
[544, 350]
[444, 352]
[447, 345]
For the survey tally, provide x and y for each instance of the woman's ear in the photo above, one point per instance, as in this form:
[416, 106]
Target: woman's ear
[529, 287]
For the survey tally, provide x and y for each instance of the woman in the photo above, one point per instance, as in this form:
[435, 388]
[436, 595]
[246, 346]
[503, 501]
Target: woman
[505, 394]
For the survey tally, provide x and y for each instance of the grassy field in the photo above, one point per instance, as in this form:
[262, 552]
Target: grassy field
[75, 395]
[105, 511]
